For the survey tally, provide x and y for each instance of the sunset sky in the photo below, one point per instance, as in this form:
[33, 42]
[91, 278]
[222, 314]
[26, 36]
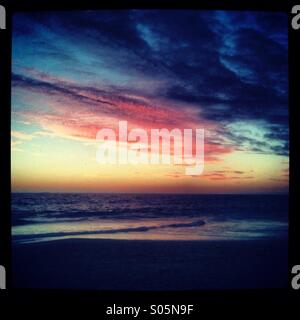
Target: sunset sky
[74, 73]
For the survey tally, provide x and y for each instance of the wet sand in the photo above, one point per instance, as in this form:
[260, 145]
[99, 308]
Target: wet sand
[151, 264]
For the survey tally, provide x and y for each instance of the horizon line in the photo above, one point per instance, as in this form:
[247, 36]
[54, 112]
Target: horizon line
[156, 193]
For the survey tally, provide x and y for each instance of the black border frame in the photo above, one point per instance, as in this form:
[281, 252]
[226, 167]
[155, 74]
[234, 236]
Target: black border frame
[272, 298]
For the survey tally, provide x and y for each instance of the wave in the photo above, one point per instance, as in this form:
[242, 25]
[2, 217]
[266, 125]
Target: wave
[111, 231]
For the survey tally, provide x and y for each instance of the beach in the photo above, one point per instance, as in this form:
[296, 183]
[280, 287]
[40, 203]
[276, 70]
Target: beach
[100, 264]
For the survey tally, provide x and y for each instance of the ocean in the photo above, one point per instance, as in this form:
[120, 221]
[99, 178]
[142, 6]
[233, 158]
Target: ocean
[40, 217]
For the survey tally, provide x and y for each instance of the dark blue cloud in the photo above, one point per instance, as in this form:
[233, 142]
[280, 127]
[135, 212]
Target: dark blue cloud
[233, 66]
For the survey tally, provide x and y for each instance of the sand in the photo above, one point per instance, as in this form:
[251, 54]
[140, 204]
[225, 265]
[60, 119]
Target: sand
[150, 265]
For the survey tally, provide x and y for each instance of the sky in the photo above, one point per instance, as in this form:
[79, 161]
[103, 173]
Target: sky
[74, 73]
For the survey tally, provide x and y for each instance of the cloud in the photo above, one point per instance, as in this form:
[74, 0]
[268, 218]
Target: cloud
[229, 175]
[21, 135]
[160, 68]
